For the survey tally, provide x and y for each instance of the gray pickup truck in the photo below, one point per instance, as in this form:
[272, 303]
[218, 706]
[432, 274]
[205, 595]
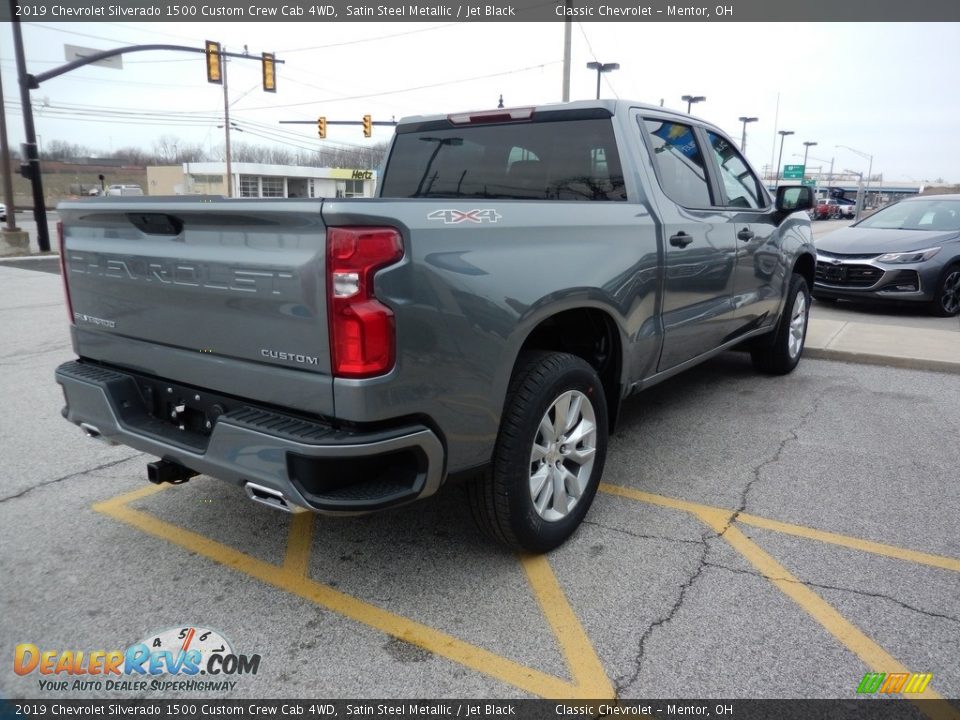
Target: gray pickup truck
[519, 274]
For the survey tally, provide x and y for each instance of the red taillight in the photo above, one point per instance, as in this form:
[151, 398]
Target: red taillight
[362, 335]
[63, 269]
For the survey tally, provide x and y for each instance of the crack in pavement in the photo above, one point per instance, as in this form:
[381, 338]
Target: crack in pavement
[20, 357]
[641, 536]
[792, 435]
[31, 307]
[623, 684]
[811, 584]
[68, 477]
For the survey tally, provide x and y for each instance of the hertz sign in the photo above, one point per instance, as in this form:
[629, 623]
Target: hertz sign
[351, 174]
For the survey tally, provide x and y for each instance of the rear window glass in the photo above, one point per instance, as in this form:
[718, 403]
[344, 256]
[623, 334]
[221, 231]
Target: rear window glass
[563, 160]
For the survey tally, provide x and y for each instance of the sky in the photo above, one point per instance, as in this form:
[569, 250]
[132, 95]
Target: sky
[888, 90]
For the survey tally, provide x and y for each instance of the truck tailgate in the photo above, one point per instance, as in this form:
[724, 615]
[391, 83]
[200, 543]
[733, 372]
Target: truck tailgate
[233, 290]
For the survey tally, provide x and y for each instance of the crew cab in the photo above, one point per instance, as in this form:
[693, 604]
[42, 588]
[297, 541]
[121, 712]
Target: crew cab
[519, 275]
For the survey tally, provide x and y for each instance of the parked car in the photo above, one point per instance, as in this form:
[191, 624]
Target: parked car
[123, 190]
[519, 274]
[908, 251]
[827, 209]
[848, 208]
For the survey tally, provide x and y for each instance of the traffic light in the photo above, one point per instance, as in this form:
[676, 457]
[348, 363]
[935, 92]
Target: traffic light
[213, 63]
[367, 126]
[269, 73]
[322, 127]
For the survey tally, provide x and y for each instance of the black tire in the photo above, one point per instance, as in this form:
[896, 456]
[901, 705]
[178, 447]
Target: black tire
[778, 356]
[946, 299]
[501, 498]
[824, 298]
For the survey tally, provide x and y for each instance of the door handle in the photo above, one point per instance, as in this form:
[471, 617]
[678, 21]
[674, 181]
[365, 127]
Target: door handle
[746, 235]
[681, 239]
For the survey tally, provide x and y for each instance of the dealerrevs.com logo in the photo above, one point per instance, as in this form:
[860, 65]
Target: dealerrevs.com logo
[184, 653]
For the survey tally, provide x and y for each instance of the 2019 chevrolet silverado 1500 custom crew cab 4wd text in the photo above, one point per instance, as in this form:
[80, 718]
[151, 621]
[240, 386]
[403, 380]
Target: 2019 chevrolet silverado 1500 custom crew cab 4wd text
[519, 274]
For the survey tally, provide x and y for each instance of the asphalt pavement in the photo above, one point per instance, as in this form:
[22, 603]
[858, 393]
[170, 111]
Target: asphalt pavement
[754, 537]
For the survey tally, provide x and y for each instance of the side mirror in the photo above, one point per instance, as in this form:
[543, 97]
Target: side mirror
[791, 198]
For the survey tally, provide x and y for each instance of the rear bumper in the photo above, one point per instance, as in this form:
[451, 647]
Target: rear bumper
[311, 464]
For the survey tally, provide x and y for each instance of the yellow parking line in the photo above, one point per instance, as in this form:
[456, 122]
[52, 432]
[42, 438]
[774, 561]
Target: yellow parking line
[585, 666]
[662, 500]
[915, 556]
[581, 657]
[872, 655]
[893, 551]
[297, 558]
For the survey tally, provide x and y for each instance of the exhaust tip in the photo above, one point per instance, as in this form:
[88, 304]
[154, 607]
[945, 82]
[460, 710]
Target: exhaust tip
[267, 496]
[92, 431]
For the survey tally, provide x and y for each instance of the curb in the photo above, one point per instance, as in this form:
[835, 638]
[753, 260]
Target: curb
[906, 363]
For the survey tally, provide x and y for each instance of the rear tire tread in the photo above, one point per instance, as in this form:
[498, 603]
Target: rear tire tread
[489, 493]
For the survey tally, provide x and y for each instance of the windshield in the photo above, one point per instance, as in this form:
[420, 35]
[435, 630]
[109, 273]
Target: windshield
[932, 214]
[564, 160]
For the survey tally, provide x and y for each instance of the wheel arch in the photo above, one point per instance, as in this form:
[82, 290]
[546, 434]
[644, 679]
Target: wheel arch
[805, 265]
[590, 333]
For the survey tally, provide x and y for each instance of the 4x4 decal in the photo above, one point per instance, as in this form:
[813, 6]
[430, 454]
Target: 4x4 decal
[454, 217]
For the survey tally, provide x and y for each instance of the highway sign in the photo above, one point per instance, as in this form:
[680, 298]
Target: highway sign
[793, 172]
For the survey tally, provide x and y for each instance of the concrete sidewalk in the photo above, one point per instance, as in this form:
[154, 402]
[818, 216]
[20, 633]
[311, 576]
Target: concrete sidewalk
[917, 348]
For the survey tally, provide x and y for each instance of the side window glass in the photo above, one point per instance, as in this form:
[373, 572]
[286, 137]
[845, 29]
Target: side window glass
[739, 183]
[680, 166]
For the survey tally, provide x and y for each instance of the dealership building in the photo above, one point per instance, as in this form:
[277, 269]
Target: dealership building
[257, 180]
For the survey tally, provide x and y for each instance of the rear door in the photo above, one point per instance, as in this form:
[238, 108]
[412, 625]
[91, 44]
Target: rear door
[699, 243]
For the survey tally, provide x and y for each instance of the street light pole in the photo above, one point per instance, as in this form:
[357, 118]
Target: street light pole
[806, 149]
[691, 99]
[869, 157]
[783, 136]
[860, 193]
[602, 68]
[743, 138]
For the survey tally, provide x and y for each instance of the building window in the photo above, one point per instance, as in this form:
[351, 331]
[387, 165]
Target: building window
[353, 188]
[249, 186]
[272, 186]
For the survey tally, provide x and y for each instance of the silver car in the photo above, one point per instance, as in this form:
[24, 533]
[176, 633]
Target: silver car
[908, 251]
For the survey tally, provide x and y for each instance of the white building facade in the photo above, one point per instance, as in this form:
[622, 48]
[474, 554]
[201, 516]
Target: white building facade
[258, 180]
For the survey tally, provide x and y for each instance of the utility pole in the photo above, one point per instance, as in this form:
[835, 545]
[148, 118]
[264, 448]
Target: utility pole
[226, 122]
[567, 31]
[14, 239]
[31, 156]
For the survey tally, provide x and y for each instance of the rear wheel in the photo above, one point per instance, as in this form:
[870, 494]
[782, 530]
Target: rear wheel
[946, 300]
[549, 454]
[782, 353]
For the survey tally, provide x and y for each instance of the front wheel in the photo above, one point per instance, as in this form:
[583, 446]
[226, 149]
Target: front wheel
[549, 454]
[946, 299]
[781, 353]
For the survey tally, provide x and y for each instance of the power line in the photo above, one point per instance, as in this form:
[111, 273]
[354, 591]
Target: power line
[409, 89]
[369, 39]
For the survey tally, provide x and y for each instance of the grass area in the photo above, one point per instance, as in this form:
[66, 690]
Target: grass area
[62, 181]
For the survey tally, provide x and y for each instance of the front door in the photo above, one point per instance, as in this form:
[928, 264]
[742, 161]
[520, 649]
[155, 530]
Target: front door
[699, 245]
